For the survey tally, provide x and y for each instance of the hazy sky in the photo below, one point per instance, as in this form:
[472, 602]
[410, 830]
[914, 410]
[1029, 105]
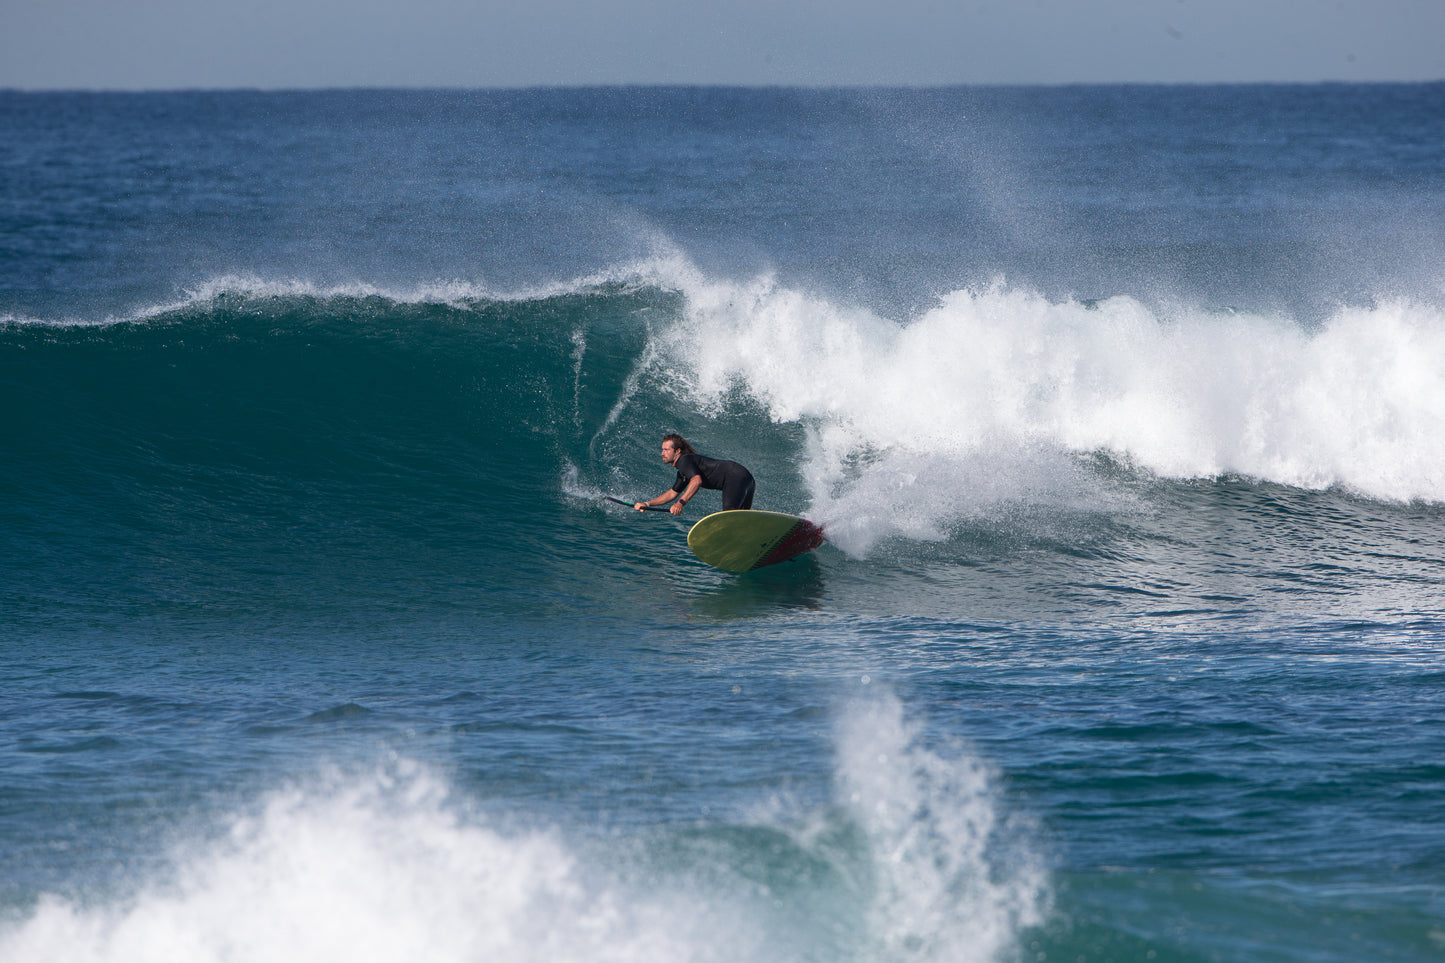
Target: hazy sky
[148, 44]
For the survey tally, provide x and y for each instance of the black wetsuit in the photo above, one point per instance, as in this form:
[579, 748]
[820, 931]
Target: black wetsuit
[733, 480]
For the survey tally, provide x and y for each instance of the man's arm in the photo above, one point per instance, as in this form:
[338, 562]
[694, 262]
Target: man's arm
[666, 496]
[692, 486]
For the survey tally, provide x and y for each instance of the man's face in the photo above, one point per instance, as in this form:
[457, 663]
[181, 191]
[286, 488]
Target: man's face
[669, 452]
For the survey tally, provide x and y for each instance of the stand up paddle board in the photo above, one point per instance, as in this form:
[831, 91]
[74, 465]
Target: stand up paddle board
[742, 540]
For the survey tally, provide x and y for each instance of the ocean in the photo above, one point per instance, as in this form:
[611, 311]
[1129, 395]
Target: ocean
[1123, 409]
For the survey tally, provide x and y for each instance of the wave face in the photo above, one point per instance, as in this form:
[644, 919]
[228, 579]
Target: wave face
[267, 433]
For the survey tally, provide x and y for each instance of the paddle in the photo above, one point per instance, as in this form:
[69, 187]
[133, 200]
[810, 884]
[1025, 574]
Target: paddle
[649, 508]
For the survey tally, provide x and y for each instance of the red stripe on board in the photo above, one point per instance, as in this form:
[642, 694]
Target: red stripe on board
[801, 538]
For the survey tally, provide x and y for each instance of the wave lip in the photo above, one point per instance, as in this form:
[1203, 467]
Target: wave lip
[666, 271]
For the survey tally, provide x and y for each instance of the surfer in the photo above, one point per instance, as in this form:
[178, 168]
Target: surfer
[696, 471]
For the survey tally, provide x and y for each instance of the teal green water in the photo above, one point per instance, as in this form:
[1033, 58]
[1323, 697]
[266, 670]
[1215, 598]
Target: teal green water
[318, 638]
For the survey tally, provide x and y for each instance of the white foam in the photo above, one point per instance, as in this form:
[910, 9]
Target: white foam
[392, 865]
[1004, 388]
[381, 869]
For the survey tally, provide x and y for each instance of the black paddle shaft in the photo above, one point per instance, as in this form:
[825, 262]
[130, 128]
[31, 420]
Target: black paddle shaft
[649, 508]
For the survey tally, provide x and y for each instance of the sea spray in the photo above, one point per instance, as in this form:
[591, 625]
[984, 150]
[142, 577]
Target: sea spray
[953, 879]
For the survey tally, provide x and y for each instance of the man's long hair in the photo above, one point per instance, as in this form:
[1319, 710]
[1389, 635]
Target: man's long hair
[680, 443]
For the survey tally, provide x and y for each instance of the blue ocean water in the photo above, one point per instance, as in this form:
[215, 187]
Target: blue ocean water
[1123, 408]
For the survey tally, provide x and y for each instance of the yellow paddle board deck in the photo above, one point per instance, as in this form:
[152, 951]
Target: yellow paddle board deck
[740, 541]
